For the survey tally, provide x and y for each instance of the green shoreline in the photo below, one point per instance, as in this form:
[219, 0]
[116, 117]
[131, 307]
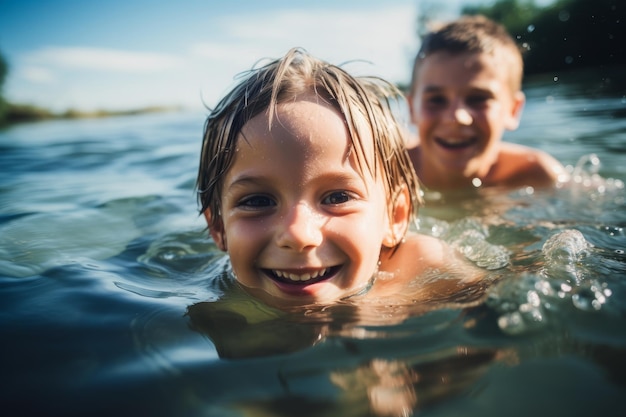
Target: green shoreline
[25, 113]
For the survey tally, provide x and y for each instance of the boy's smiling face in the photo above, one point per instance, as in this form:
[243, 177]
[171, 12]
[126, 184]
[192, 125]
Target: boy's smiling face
[462, 104]
[300, 221]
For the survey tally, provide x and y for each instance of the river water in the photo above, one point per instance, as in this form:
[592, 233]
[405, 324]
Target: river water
[111, 290]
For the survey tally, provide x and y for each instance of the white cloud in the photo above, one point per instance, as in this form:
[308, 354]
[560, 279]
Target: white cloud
[37, 74]
[382, 36]
[103, 59]
[383, 39]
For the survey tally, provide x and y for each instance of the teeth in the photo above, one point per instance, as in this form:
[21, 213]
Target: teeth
[299, 277]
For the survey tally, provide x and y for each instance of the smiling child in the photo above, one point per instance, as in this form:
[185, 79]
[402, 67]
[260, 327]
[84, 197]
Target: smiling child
[305, 182]
[465, 93]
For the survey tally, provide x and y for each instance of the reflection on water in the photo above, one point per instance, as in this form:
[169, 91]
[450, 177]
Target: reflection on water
[116, 302]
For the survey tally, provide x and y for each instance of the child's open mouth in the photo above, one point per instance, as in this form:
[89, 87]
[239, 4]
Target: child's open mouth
[303, 277]
[455, 144]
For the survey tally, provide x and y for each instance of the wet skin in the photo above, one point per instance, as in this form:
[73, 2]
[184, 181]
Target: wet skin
[300, 222]
[462, 104]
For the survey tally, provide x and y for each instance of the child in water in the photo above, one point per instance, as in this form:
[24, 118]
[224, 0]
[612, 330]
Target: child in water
[306, 183]
[465, 92]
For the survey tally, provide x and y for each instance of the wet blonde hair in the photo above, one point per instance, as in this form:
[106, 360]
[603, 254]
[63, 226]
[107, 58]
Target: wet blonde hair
[473, 34]
[358, 99]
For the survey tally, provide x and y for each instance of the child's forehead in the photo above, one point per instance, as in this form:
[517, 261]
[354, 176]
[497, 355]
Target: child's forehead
[310, 126]
[458, 68]
[311, 117]
[470, 60]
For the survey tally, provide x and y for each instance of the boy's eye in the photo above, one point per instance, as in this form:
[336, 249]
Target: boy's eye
[436, 100]
[256, 201]
[477, 100]
[337, 197]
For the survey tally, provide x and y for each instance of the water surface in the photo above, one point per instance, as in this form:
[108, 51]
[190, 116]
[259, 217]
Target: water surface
[114, 299]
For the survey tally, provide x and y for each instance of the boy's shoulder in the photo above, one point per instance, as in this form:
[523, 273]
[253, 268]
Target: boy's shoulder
[519, 165]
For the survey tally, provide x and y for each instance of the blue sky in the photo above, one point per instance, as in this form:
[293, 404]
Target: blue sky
[123, 54]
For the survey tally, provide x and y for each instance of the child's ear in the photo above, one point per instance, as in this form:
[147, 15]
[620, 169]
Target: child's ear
[513, 120]
[399, 218]
[216, 230]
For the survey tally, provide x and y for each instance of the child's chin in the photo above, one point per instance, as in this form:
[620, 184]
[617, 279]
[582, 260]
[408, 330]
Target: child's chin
[305, 293]
[296, 296]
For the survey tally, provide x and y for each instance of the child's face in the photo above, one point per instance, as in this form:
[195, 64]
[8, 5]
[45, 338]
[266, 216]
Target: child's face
[300, 222]
[462, 104]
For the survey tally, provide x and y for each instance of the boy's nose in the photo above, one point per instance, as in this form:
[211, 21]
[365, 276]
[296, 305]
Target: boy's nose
[457, 112]
[300, 229]
[462, 116]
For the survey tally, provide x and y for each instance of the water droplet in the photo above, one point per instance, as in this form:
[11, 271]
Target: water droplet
[581, 302]
[512, 323]
[590, 298]
[533, 299]
[544, 288]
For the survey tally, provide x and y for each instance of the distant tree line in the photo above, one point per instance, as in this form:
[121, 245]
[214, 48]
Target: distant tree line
[17, 112]
[3, 73]
[12, 112]
[567, 34]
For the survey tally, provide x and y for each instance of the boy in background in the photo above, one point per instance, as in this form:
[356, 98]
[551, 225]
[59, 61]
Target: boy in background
[465, 92]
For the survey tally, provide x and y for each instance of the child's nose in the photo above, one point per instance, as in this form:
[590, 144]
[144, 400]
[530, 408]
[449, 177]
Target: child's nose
[300, 228]
[462, 116]
[458, 113]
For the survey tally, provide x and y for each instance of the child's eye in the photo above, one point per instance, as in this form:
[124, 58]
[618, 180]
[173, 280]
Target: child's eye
[436, 100]
[256, 202]
[337, 197]
[477, 100]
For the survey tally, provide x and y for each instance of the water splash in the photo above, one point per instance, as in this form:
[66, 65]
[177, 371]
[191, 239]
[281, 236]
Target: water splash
[469, 236]
[564, 253]
[585, 177]
[565, 281]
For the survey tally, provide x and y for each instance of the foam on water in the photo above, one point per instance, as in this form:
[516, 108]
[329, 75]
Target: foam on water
[565, 279]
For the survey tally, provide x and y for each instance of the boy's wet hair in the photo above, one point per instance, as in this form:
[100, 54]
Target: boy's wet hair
[364, 102]
[473, 34]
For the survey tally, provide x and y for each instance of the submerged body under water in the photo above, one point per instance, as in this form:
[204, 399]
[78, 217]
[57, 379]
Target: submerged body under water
[115, 301]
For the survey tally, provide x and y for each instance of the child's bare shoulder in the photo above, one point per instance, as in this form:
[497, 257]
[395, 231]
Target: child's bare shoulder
[425, 268]
[522, 165]
[418, 253]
